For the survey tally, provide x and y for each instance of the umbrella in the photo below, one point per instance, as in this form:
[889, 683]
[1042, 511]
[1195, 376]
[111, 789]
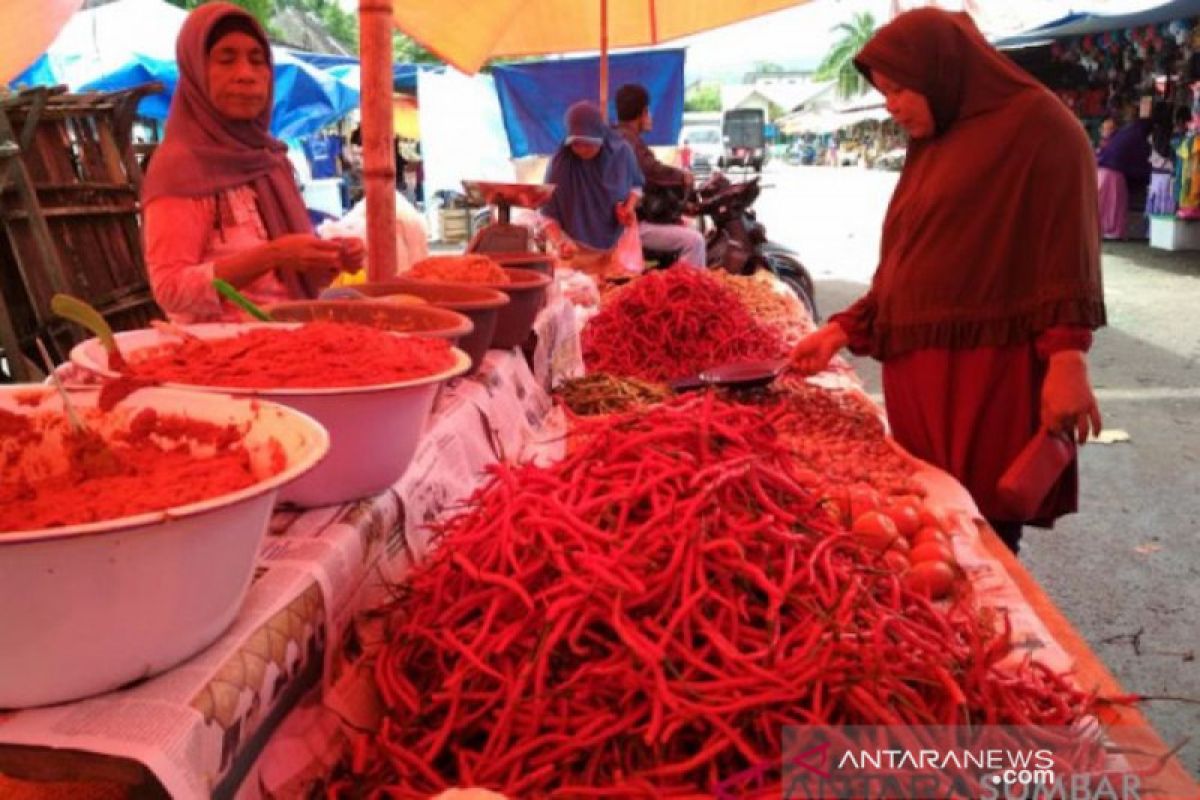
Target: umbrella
[26, 28]
[467, 33]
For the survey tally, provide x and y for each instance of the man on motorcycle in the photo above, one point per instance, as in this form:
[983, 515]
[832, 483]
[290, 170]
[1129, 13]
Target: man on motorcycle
[660, 215]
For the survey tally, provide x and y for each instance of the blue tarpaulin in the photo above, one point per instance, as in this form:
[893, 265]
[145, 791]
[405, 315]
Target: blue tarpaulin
[534, 96]
[1085, 23]
[404, 76]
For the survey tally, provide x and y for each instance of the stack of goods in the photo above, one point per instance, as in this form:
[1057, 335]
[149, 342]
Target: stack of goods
[313, 355]
[769, 302]
[599, 393]
[643, 618]
[674, 324]
[466, 268]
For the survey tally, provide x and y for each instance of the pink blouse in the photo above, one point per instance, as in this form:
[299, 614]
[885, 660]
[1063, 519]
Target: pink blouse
[185, 235]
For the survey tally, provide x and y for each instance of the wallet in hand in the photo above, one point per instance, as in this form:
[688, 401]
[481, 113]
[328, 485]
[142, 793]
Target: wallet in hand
[1033, 473]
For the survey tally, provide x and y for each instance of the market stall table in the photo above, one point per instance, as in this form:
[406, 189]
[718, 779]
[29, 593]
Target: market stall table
[197, 730]
[338, 552]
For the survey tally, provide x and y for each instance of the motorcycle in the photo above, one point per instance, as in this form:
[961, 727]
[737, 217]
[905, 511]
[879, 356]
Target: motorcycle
[737, 242]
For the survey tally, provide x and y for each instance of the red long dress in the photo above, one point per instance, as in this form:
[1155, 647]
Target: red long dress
[969, 412]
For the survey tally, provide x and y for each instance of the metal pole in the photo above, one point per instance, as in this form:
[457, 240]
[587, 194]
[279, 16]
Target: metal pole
[379, 162]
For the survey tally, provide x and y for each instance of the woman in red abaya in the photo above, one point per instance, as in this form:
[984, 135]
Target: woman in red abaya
[988, 286]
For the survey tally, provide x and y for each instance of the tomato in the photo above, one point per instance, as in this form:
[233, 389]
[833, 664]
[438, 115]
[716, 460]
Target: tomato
[930, 534]
[933, 579]
[907, 518]
[900, 544]
[932, 551]
[896, 561]
[875, 530]
[863, 498]
[934, 518]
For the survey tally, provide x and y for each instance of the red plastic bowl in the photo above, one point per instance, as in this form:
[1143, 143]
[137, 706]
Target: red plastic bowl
[526, 292]
[480, 305]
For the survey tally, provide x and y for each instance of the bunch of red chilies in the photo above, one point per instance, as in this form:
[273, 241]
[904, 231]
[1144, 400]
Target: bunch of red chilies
[643, 618]
[674, 324]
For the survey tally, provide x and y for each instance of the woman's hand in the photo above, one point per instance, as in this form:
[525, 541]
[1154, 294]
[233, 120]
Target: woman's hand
[352, 254]
[1068, 404]
[814, 352]
[304, 252]
[565, 247]
[626, 211]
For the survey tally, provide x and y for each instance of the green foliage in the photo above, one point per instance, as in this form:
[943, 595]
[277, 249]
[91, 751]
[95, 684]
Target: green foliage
[706, 97]
[838, 64]
[407, 51]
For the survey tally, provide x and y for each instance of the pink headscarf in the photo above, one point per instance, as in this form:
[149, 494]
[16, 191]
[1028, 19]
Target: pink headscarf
[203, 152]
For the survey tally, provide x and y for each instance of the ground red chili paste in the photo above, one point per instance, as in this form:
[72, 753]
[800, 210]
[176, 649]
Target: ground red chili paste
[315, 355]
[156, 470]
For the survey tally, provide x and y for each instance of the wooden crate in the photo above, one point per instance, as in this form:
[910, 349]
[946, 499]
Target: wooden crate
[69, 216]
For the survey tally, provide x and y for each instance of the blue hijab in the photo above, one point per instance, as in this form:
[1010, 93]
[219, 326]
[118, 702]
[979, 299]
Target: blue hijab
[588, 190]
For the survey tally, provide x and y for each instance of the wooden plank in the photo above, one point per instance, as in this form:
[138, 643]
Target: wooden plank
[1126, 726]
[49, 766]
[70, 211]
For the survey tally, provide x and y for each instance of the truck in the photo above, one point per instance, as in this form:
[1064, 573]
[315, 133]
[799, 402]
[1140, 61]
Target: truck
[744, 132]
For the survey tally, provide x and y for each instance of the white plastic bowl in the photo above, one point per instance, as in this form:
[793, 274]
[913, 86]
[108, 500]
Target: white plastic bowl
[373, 430]
[88, 608]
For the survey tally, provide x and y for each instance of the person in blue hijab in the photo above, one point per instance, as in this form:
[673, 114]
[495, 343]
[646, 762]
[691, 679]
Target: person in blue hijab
[597, 184]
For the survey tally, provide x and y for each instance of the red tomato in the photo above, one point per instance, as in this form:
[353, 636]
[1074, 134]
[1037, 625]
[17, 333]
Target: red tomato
[933, 517]
[933, 579]
[896, 561]
[930, 534]
[900, 544]
[863, 499]
[875, 530]
[932, 551]
[906, 517]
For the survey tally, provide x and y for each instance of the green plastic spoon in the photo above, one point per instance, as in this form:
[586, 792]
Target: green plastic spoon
[76, 310]
[240, 300]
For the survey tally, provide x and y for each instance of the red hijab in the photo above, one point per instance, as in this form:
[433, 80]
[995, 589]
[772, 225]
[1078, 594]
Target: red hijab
[992, 234]
[203, 152]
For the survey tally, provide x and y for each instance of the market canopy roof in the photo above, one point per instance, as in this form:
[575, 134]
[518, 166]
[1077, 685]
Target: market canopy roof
[467, 33]
[131, 42]
[1084, 24]
[534, 96]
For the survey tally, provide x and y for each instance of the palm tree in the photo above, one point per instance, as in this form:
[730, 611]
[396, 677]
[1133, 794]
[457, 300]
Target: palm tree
[838, 64]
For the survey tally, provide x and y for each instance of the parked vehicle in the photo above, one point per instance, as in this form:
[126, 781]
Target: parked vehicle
[707, 148]
[745, 135]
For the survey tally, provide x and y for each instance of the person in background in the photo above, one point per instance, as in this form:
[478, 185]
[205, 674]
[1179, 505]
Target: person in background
[1160, 197]
[401, 165]
[596, 179]
[1107, 128]
[219, 199]
[633, 114]
[1123, 166]
[985, 297]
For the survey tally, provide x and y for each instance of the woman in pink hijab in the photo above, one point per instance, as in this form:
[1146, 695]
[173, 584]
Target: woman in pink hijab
[219, 198]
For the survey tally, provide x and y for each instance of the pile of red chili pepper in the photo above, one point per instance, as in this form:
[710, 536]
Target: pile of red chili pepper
[313, 355]
[643, 618]
[674, 324]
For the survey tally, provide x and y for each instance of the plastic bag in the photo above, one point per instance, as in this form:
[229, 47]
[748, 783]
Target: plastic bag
[412, 237]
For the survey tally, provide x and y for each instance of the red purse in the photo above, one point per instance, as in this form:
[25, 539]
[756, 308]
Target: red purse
[1033, 473]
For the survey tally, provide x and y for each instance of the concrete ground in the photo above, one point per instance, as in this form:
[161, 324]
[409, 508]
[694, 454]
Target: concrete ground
[1126, 569]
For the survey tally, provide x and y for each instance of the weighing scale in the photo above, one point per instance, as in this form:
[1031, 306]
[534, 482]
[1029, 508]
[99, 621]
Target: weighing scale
[501, 236]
